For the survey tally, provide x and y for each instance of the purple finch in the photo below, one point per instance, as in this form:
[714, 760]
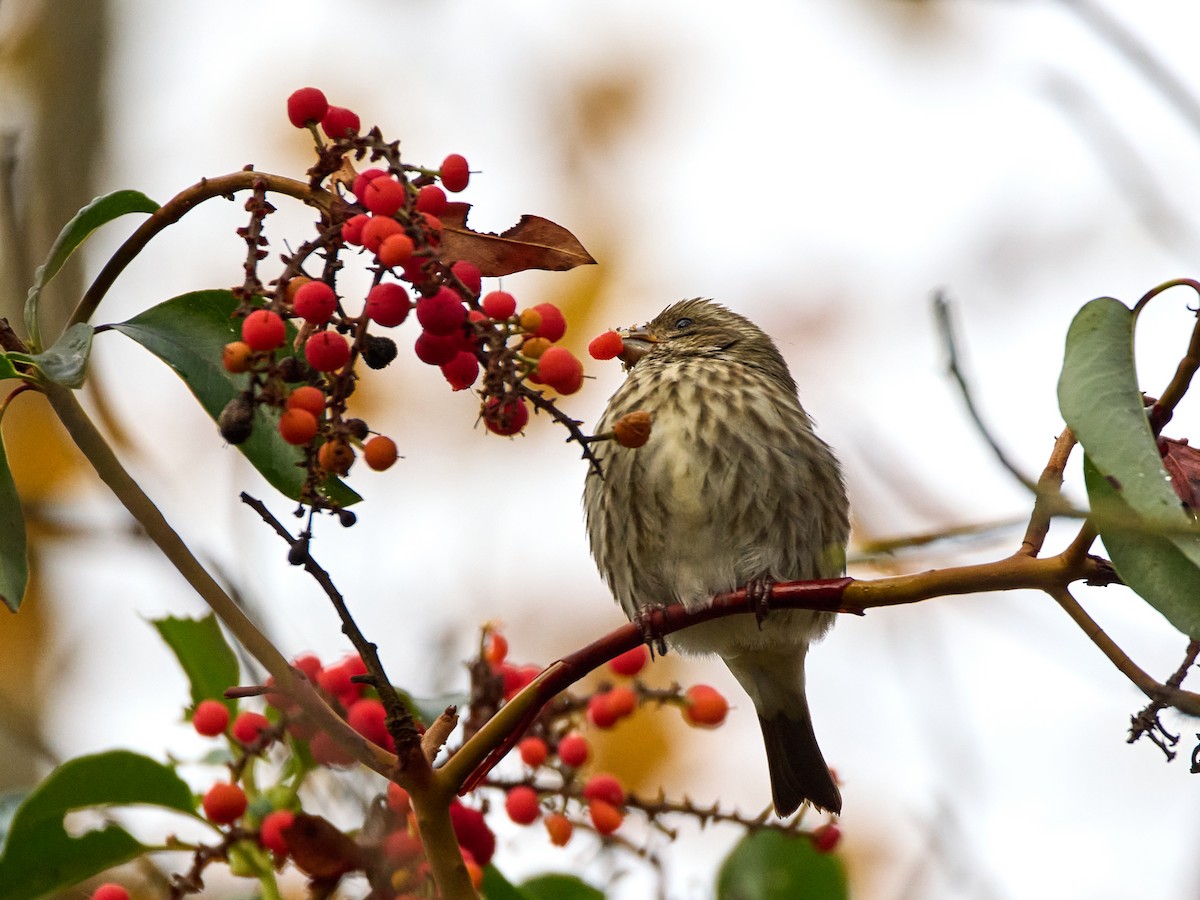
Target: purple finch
[732, 488]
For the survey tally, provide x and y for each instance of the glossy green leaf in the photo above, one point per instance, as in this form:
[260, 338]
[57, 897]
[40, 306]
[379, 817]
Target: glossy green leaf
[1139, 515]
[66, 362]
[497, 887]
[559, 887]
[769, 865]
[188, 333]
[14, 564]
[206, 657]
[99, 212]
[40, 857]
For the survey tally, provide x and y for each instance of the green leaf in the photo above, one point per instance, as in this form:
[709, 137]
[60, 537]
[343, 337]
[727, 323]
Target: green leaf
[99, 212]
[1138, 512]
[66, 362]
[188, 333]
[770, 865]
[559, 887]
[14, 564]
[1151, 563]
[6, 368]
[39, 857]
[497, 887]
[204, 654]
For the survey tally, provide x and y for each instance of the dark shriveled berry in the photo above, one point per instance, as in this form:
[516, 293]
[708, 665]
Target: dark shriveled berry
[346, 518]
[236, 420]
[378, 351]
[291, 369]
[357, 428]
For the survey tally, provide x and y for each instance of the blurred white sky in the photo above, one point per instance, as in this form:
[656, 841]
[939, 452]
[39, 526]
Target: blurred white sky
[822, 167]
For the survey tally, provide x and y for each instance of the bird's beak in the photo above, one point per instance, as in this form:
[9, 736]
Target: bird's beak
[637, 342]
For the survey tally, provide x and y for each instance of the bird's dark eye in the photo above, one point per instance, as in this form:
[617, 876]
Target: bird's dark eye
[683, 323]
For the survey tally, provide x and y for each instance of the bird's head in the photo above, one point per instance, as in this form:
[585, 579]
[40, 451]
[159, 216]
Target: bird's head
[701, 329]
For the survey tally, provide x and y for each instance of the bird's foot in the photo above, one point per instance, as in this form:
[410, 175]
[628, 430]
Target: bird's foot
[758, 595]
[653, 638]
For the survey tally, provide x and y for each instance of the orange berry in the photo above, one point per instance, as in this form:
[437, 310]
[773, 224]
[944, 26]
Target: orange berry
[297, 426]
[309, 398]
[496, 650]
[380, 452]
[559, 828]
[336, 457]
[605, 817]
[705, 706]
[622, 701]
[632, 430]
[235, 357]
[395, 250]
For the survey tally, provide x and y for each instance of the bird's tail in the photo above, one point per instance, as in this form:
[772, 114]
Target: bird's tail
[798, 770]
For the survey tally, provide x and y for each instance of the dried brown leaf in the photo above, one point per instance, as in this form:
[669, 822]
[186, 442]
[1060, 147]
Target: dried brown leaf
[533, 243]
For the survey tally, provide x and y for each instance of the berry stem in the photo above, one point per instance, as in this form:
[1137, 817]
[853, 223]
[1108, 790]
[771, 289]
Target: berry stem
[179, 206]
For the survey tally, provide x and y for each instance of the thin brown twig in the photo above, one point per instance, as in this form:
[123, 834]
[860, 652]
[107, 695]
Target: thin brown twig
[1049, 494]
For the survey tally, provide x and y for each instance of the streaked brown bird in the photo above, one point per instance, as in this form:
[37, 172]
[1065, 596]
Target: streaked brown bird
[732, 488]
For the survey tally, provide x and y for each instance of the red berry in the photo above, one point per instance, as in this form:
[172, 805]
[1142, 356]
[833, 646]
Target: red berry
[298, 426]
[621, 701]
[368, 717]
[328, 752]
[235, 357]
[496, 650]
[533, 751]
[560, 369]
[396, 250]
[398, 800]
[383, 196]
[110, 890]
[517, 678]
[388, 304]
[249, 725]
[472, 832]
[505, 417]
[210, 718]
[599, 712]
[606, 346]
[224, 803]
[705, 706]
[455, 173]
[380, 452]
[338, 121]
[305, 106]
[573, 750]
[263, 330]
[826, 837]
[461, 371]
[603, 786]
[521, 804]
[352, 229]
[630, 662]
[379, 229]
[312, 399]
[606, 818]
[315, 302]
[270, 832]
[437, 350]
[308, 663]
[559, 828]
[468, 273]
[499, 304]
[443, 313]
[364, 178]
[326, 351]
[433, 228]
[431, 199]
[553, 325]
[401, 846]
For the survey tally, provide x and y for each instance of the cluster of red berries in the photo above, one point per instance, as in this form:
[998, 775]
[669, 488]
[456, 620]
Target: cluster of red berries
[556, 746]
[392, 212]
